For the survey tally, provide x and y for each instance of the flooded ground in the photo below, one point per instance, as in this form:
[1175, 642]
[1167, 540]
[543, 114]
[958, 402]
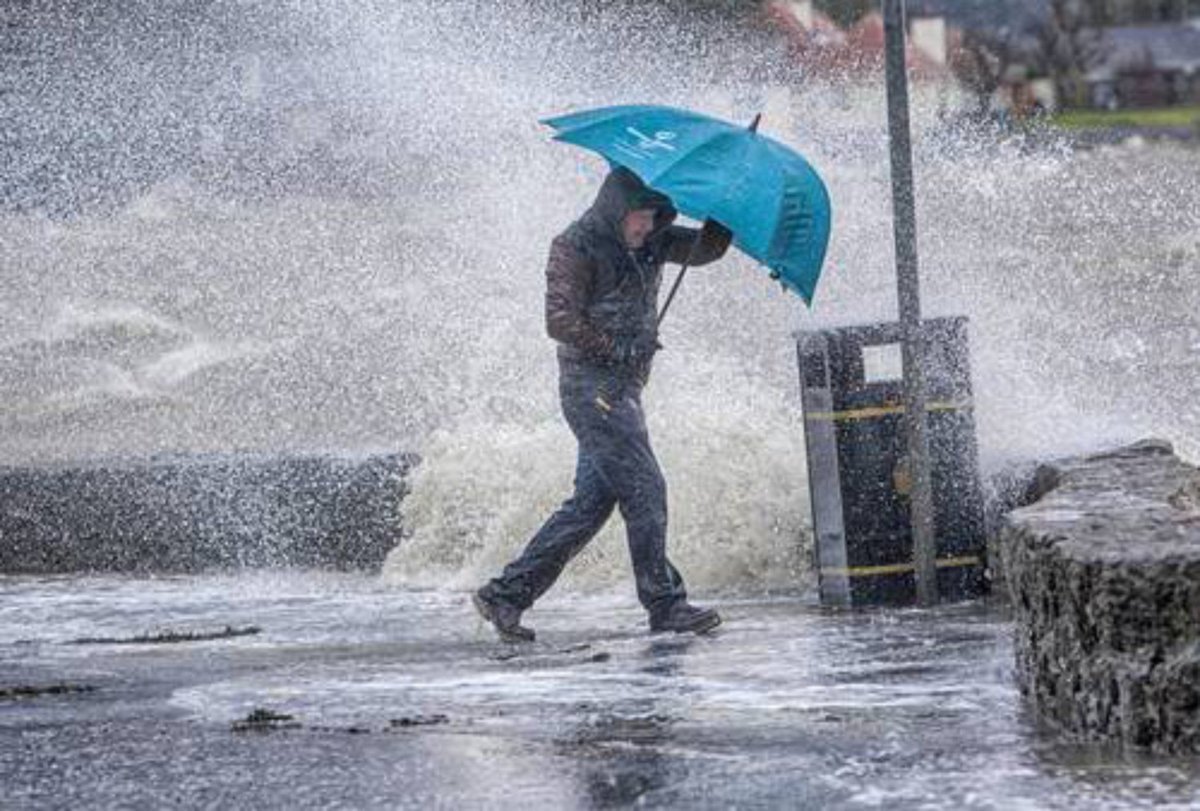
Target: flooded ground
[402, 699]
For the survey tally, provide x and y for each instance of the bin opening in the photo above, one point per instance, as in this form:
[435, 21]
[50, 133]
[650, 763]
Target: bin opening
[882, 363]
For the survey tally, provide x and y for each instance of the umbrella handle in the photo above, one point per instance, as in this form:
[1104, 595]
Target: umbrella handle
[700, 235]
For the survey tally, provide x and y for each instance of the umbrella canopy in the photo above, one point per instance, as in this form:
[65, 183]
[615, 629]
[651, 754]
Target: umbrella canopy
[764, 192]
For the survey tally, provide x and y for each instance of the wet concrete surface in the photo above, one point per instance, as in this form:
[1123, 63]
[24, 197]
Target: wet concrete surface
[403, 699]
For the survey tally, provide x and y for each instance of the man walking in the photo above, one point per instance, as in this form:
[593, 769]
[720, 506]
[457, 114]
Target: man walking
[602, 283]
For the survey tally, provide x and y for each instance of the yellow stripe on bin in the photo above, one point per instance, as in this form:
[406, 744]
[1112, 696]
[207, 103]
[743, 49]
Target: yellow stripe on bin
[900, 568]
[953, 563]
[880, 411]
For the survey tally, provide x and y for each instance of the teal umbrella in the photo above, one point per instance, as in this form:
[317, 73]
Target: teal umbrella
[763, 191]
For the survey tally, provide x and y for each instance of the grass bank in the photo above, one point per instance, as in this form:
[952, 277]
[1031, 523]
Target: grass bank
[1153, 117]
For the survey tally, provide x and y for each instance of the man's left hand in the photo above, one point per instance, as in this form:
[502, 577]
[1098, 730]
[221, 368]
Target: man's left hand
[637, 349]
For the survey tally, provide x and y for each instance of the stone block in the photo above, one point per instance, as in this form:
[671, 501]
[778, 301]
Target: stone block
[192, 513]
[1103, 572]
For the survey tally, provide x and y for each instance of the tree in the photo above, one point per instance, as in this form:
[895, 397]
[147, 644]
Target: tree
[846, 12]
[982, 62]
[1070, 43]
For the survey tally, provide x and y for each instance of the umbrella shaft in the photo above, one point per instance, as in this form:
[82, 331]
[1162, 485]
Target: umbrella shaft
[671, 296]
[700, 237]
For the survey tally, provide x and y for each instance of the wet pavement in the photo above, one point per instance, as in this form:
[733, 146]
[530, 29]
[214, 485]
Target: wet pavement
[403, 699]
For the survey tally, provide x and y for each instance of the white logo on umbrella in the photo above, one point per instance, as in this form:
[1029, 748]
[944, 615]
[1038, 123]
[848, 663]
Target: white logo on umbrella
[642, 146]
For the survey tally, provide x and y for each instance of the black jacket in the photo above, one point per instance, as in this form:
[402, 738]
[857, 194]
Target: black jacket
[598, 290]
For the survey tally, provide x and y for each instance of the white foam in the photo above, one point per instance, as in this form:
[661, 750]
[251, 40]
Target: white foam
[732, 452]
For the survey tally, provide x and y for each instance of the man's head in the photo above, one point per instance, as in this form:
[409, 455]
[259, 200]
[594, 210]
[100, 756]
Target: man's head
[637, 225]
[630, 208]
[645, 212]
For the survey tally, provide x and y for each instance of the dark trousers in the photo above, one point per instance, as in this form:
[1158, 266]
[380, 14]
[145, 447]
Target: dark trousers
[616, 467]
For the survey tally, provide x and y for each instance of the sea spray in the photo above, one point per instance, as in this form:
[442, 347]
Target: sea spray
[732, 452]
[325, 229]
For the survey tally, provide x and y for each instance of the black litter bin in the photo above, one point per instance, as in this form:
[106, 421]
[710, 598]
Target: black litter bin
[853, 394]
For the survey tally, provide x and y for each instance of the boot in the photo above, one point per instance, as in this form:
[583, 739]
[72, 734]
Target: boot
[682, 617]
[505, 618]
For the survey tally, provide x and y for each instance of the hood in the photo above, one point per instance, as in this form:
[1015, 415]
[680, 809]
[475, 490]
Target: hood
[622, 192]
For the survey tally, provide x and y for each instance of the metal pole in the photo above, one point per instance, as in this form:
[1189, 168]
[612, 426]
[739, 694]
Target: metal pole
[904, 228]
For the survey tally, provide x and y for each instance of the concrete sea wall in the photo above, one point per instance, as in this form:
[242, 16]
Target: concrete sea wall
[1103, 572]
[192, 513]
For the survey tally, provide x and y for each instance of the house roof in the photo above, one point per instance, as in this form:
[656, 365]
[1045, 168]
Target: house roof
[823, 47]
[1164, 47]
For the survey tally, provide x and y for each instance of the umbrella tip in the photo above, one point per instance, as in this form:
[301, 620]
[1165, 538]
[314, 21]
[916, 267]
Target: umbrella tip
[754, 123]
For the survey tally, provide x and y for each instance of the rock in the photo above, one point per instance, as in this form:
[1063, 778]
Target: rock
[418, 721]
[264, 720]
[1103, 572]
[191, 513]
[169, 637]
[35, 691]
